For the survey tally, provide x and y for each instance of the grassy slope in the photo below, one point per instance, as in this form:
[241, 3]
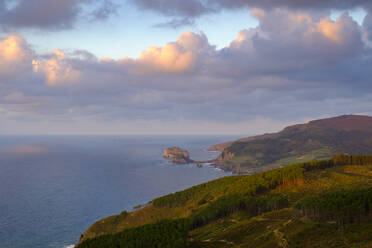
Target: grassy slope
[319, 139]
[274, 229]
[207, 191]
[279, 229]
[293, 145]
[285, 228]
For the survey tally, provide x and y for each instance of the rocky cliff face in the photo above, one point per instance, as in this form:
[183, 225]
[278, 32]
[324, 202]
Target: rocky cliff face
[177, 155]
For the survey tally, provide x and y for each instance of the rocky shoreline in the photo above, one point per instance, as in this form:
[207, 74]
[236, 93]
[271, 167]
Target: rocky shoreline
[181, 156]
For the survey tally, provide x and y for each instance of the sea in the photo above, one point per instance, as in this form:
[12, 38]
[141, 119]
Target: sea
[52, 188]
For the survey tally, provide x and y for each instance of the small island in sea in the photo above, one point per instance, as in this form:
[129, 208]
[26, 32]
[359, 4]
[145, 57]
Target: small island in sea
[180, 156]
[177, 155]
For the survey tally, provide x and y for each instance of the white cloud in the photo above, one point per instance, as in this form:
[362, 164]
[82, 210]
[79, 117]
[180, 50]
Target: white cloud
[57, 69]
[175, 57]
[15, 54]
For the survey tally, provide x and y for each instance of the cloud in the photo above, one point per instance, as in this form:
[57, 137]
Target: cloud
[57, 69]
[183, 12]
[176, 23]
[15, 55]
[192, 8]
[287, 44]
[197, 8]
[367, 24]
[106, 9]
[293, 4]
[51, 14]
[12, 49]
[175, 57]
[293, 65]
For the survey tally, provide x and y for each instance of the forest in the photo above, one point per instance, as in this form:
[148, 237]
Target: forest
[252, 195]
[163, 234]
[342, 206]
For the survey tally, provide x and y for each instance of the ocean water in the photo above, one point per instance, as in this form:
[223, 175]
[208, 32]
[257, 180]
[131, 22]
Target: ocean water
[53, 187]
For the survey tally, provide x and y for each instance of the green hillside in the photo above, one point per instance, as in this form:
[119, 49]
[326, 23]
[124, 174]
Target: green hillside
[325, 203]
[319, 139]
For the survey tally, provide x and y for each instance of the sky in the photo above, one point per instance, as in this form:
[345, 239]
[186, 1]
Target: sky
[181, 67]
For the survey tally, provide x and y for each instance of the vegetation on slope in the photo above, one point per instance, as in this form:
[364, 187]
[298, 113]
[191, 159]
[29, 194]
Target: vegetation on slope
[163, 234]
[277, 206]
[343, 206]
[318, 139]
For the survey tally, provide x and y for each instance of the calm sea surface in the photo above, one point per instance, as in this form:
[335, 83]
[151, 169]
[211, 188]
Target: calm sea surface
[53, 187]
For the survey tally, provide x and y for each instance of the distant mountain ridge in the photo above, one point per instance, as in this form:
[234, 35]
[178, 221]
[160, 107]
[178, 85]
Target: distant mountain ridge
[317, 139]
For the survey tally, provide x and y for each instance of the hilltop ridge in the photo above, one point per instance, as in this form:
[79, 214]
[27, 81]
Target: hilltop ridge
[317, 139]
[343, 122]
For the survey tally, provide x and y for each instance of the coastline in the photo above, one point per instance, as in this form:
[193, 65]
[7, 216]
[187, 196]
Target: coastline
[179, 155]
[104, 176]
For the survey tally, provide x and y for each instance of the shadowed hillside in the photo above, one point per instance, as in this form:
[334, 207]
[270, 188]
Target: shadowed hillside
[319, 139]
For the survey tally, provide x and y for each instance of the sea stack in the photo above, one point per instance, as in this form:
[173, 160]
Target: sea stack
[177, 155]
